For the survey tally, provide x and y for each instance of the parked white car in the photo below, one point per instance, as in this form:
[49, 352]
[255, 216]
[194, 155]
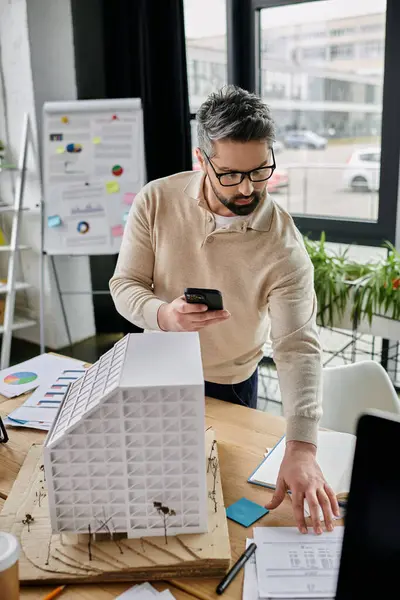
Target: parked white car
[363, 170]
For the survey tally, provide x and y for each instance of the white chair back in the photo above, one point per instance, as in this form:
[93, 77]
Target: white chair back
[349, 390]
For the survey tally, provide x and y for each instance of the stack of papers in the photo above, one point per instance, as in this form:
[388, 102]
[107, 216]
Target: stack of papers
[28, 375]
[51, 376]
[290, 565]
[145, 591]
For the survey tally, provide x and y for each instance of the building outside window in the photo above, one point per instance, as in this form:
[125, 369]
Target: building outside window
[206, 48]
[314, 53]
[373, 27]
[372, 49]
[206, 53]
[342, 31]
[342, 51]
[324, 83]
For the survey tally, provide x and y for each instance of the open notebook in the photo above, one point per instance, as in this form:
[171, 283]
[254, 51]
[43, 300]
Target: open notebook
[334, 455]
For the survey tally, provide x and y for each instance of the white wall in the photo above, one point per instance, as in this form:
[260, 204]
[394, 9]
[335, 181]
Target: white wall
[52, 52]
[37, 60]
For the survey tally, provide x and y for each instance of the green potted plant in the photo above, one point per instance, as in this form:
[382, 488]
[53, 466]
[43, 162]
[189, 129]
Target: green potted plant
[363, 289]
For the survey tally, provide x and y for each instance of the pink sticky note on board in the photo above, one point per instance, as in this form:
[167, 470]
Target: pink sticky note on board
[117, 231]
[128, 198]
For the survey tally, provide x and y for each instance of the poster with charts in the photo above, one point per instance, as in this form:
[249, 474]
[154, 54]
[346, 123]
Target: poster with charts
[93, 167]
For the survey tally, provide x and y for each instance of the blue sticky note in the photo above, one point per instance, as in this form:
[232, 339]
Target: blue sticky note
[54, 221]
[245, 512]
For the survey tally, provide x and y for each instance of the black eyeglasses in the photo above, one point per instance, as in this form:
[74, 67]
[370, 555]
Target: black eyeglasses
[236, 177]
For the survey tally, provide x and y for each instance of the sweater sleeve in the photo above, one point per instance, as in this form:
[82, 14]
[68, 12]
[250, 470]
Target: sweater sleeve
[132, 283]
[296, 347]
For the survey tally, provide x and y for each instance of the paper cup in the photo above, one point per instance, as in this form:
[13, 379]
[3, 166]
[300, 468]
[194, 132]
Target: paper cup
[9, 555]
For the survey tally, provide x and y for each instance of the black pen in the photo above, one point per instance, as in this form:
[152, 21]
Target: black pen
[230, 576]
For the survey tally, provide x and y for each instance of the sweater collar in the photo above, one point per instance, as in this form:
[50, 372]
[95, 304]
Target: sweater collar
[260, 220]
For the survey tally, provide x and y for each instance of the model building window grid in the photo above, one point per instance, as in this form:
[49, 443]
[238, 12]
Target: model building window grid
[114, 453]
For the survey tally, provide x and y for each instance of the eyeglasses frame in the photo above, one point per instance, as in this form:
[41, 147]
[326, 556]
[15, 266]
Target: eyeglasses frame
[242, 173]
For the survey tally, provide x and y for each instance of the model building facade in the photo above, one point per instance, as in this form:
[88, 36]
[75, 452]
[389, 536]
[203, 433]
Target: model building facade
[130, 433]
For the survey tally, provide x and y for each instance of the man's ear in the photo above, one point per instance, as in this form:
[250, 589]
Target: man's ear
[200, 158]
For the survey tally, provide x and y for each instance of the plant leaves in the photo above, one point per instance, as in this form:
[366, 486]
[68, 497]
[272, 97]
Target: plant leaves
[370, 287]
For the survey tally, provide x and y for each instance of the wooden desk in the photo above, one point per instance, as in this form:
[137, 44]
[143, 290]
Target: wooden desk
[242, 434]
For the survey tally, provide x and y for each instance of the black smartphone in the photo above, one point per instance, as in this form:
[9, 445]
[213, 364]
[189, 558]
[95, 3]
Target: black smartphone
[211, 298]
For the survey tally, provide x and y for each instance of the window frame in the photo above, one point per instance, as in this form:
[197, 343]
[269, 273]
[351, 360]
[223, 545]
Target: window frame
[357, 230]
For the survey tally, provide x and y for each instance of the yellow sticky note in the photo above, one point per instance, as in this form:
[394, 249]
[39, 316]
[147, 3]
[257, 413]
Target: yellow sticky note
[60, 150]
[112, 187]
[96, 140]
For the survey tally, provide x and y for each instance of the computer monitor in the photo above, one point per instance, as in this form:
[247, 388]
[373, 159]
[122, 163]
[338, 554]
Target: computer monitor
[370, 561]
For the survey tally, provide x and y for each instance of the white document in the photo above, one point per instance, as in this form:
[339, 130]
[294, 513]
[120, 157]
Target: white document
[250, 584]
[40, 409]
[28, 375]
[293, 565]
[145, 591]
[54, 385]
[41, 425]
[334, 455]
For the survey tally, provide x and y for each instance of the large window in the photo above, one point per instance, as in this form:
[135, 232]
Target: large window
[206, 51]
[206, 54]
[326, 97]
[329, 71]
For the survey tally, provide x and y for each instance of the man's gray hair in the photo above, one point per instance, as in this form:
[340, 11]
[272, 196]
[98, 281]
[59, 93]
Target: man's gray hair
[233, 114]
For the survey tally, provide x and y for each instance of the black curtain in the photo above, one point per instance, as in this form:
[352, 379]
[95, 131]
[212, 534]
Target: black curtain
[135, 48]
[164, 87]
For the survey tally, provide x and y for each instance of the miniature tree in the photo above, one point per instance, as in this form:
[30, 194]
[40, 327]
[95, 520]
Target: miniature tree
[164, 512]
[27, 521]
[213, 465]
[211, 455]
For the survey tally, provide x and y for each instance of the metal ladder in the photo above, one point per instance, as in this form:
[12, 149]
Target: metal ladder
[11, 323]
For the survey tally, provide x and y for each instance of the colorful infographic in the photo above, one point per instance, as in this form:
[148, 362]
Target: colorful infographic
[93, 166]
[20, 378]
[53, 397]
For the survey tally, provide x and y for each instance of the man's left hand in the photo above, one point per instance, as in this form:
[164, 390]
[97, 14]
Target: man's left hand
[301, 474]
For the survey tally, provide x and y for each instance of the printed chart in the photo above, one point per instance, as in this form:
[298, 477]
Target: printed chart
[93, 169]
[53, 396]
[20, 377]
[40, 409]
[32, 373]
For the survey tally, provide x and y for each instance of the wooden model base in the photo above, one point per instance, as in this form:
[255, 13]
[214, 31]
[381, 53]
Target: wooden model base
[54, 558]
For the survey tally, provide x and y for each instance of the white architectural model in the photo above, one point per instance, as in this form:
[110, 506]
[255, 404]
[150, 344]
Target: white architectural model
[130, 433]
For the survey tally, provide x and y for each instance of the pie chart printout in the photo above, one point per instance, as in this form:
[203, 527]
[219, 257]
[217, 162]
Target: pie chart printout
[20, 377]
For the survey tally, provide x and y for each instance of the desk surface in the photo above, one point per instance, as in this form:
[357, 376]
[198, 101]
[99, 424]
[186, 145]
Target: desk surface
[242, 435]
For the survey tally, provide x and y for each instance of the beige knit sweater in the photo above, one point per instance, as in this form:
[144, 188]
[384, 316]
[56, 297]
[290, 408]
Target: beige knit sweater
[262, 270]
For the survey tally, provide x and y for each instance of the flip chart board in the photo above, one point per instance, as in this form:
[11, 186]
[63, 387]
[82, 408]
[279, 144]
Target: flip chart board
[93, 166]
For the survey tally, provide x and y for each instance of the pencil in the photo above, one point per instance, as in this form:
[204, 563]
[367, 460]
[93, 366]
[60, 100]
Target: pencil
[54, 593]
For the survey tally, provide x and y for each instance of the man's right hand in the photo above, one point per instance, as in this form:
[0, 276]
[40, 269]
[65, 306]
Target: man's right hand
[179, 315]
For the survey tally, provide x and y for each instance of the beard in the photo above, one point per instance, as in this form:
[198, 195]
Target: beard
[240, 209]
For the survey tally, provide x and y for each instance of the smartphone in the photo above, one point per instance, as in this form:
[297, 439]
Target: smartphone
[211, 298]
